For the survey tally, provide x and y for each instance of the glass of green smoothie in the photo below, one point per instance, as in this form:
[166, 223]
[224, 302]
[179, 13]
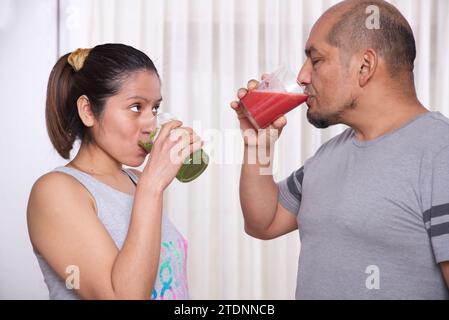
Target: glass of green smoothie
[193, 166]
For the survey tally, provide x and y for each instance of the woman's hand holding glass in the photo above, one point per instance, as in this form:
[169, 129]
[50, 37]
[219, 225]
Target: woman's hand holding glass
[172, 145]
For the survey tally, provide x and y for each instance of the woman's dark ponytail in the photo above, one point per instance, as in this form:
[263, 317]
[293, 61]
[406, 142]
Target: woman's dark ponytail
[61, 114]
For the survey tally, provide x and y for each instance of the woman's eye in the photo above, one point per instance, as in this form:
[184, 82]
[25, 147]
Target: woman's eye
[155, 109]
[314, 62]
[136, 108]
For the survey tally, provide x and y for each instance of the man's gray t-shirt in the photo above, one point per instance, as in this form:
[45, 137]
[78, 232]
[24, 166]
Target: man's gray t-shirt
[373, 216]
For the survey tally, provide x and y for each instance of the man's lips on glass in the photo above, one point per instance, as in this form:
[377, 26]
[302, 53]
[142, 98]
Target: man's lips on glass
[309, 99]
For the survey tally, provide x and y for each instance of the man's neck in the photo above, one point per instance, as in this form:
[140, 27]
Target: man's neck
[378, 117]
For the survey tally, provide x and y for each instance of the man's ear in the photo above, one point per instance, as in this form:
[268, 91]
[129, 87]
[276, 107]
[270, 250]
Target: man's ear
[85, 111]
[368, 67]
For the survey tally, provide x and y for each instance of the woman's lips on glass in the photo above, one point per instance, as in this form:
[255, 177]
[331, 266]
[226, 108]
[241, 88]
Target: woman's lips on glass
[147, 143]
[145, 146]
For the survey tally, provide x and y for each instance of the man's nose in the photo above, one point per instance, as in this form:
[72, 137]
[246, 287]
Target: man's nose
[304, 75]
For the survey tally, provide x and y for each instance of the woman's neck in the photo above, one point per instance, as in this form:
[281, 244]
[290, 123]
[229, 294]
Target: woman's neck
[95, 161]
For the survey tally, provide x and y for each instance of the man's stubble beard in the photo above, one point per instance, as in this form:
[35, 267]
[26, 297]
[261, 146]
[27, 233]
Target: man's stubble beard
[327, 120]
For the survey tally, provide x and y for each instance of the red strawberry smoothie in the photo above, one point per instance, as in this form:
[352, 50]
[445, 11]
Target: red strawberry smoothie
[263, 107]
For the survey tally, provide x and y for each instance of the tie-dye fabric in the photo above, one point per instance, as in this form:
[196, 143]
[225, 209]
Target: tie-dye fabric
[171, 280]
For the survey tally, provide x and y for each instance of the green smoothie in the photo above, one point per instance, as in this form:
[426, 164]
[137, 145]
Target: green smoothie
[193, 166]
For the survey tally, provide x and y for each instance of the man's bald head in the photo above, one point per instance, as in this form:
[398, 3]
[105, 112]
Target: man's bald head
[394, 41]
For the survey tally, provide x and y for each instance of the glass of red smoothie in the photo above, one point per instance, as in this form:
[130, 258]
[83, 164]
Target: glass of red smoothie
[276, 95]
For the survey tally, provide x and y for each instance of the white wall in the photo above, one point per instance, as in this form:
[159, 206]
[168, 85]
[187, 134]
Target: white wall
[28, 51]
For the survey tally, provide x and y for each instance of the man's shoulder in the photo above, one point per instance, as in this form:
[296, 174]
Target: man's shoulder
[434, 134]
[438, 122]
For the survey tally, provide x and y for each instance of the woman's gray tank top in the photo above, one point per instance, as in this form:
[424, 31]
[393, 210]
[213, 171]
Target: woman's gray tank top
[114, 211]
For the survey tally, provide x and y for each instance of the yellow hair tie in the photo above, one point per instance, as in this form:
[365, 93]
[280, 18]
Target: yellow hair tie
[76, 58]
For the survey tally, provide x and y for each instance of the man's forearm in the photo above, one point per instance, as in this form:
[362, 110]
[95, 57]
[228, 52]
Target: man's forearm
[258, 192]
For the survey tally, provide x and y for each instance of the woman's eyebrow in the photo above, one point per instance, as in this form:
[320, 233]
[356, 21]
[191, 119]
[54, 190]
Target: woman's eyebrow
[144, 99]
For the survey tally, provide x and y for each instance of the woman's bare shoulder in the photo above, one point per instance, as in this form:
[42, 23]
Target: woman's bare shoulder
[52, 182]
[54, 188]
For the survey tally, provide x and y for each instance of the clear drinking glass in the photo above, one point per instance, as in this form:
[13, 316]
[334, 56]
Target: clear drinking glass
[193, 166]
[276, 95]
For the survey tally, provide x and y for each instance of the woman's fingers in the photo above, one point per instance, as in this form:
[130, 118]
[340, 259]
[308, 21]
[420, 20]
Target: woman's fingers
[183, 140]
[191, 148]
[167, 128]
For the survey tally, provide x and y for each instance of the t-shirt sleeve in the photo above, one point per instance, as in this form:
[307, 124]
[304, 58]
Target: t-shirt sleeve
[290, 191]
[436, 219]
